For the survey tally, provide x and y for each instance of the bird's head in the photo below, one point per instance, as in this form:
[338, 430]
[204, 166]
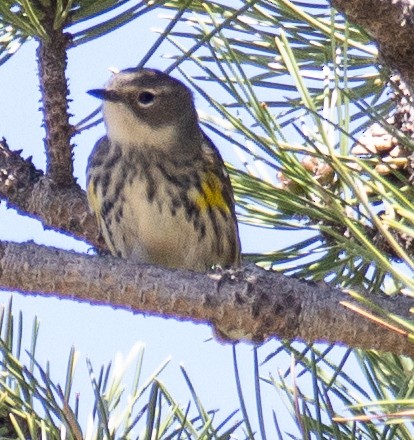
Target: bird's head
[149, 107]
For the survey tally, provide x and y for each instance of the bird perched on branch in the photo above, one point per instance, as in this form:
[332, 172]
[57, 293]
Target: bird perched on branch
[156, 182]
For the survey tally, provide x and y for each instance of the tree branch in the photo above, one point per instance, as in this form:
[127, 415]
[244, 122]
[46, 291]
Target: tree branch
[391, 24]
[254, 304]
[52, 61]
[27, 190]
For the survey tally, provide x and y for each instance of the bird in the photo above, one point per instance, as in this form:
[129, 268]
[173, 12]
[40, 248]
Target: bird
[156, 182]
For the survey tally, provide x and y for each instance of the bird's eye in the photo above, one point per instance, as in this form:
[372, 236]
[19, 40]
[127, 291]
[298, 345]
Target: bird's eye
[146, 98]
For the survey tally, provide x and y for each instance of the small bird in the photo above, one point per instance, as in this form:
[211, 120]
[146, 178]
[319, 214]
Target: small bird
[156, 182]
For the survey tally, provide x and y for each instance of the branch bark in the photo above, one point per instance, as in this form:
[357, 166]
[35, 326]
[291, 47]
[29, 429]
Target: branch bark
[391, 24]
[27, 190]
[52, 62]
[251, 304]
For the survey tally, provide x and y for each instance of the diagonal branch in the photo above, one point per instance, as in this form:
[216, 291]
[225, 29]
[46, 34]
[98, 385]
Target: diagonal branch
[254, 304]
[28, 191]
[391, 24]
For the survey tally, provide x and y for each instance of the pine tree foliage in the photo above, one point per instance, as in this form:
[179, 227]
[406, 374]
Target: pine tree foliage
[294, 87]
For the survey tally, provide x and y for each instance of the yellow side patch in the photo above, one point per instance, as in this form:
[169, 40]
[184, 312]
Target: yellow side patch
[94, 202]
[211, 194]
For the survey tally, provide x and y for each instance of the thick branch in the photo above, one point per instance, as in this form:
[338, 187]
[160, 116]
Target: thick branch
[29, 192]
[253, 305]
[391, 24]
[52, 60]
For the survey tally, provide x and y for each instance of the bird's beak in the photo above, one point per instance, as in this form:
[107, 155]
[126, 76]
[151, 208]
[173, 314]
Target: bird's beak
[105, 94]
